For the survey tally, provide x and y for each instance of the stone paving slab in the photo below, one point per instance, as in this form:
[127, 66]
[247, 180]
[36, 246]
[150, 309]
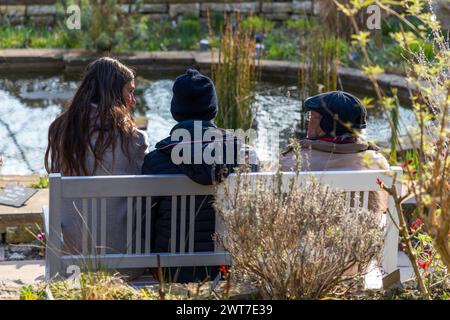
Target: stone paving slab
[16, 274]
[25, 271]
[21, 180]
[28, 214]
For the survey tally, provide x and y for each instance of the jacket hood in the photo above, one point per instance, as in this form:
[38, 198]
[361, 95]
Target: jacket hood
[166, 145]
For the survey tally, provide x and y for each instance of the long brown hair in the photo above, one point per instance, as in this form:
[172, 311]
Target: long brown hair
[98, 107]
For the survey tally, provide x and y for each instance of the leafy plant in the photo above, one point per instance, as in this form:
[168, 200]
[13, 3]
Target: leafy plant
[42, 183]
[257, 24]
[427, 179]
[186, 32]
[30, 293]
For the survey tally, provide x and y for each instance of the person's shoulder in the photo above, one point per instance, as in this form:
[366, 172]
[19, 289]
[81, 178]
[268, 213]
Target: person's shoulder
[140, 141]
[141, 137]
[152, 161]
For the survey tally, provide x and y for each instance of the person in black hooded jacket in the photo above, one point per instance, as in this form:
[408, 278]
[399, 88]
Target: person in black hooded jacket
[194, 106]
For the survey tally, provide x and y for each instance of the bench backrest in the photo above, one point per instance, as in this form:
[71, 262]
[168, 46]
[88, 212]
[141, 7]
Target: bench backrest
[96, 190]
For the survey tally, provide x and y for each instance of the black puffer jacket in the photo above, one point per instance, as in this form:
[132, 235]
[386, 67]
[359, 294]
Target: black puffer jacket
[159, 162]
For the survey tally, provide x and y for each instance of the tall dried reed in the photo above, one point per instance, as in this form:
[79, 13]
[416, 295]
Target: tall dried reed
[235, 74]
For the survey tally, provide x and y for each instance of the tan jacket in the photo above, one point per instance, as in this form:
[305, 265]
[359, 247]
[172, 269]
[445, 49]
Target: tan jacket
[326, 156]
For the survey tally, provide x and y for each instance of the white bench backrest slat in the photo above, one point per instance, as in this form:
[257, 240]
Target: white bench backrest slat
[138, 224]
[130, 186]
[148, 221]
[173, 229]
[191, 223]
[103, 226]
[365, 203]
[85, 227]
[94, 227]
[183, 224]
[348, 197]
[357, 200]
[129, 225]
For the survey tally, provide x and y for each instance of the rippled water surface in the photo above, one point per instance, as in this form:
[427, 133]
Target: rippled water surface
[28, 106]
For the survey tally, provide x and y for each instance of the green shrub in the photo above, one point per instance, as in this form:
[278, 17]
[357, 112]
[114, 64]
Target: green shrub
[257, 24]
[29, 293]
[301, 24]
[187, 33]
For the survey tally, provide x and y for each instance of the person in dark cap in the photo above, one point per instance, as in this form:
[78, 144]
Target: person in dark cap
[194, 107]
[194, 97]
[335, 140]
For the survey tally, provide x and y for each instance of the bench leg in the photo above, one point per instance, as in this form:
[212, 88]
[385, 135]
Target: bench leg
[53, 264]
[53, 267]
[390, 250]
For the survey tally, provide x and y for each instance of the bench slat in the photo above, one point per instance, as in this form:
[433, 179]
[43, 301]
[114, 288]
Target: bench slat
[103, 226]
[183, 224]
[130, 186]
[148, 217]
[138, 224]
[129, 225]
[117, 261]
[173, 231]
[348, 198]
[365, 200]
[166, 185]
[94, 226]
[356, 200]
[85, 226]
[191, 223]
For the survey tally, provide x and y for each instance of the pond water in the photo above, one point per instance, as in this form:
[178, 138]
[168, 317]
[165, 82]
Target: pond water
[28, 106]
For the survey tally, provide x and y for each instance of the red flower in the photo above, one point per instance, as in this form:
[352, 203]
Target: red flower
[424, 265]
[223, 269]
[40, 236]
[380, 183]
[415, 224]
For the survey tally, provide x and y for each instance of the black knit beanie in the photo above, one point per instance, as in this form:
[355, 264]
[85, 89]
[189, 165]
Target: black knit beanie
[194, 97]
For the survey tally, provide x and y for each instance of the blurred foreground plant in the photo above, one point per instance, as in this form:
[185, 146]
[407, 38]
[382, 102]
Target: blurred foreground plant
[428, 178]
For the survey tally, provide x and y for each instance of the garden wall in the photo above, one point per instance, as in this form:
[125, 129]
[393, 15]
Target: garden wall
[44, 11]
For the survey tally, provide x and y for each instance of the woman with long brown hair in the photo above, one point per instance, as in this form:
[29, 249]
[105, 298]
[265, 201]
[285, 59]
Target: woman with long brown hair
[96, 135]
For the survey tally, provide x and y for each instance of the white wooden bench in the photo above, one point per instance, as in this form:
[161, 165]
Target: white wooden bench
[97, 189]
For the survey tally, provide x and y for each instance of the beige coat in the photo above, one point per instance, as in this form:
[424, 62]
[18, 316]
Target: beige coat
[326, 156]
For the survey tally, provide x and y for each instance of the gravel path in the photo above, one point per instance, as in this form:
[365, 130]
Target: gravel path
[10, 290]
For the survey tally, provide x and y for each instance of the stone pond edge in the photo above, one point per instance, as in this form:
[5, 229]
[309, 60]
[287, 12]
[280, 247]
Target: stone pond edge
[23, 62]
